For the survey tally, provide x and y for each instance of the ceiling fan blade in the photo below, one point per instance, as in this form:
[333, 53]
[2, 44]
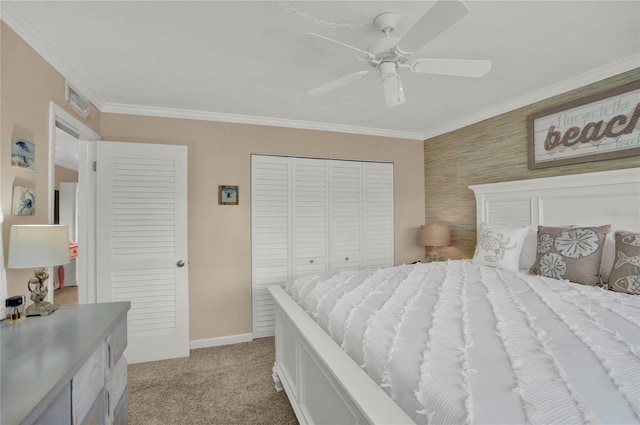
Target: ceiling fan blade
[322, 42]
[457, 67]
[393, 91]
[441, 16]
[325, 88]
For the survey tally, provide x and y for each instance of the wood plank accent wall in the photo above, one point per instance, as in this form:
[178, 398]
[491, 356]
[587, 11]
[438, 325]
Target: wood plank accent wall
[490, 151]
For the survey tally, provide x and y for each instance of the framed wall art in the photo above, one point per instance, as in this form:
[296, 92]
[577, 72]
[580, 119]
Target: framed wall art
[227, 195]
[602, 126]
[23, 154]
[24, 201]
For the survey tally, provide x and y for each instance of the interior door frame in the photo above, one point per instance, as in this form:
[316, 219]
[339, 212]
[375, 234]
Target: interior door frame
[86, 260]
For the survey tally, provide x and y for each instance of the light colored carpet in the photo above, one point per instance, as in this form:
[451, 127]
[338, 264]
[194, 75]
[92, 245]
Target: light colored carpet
[66, 296]
[220, 385]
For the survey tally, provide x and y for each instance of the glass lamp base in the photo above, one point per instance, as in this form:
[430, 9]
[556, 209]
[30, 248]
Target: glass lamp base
[41, 308]
[432, 258]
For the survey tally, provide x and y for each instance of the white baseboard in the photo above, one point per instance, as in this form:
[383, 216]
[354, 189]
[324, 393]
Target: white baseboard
[222, 340]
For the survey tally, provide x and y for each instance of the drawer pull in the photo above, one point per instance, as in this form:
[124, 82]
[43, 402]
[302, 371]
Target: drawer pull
[311, 261]
[346, 258]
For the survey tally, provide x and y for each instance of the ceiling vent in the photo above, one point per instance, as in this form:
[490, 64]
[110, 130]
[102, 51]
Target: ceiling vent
[76, 100]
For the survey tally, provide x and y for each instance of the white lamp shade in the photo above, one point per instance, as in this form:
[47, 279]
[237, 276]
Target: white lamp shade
[32, 246]
[437, 235]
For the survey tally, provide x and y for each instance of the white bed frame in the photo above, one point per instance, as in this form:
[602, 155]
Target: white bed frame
[591, 199]
[325, 386]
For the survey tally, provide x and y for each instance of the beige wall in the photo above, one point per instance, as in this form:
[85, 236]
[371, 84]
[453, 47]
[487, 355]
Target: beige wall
[63, 174]
[27, 85]
[491, 151]
[220, 236]
[220, 245]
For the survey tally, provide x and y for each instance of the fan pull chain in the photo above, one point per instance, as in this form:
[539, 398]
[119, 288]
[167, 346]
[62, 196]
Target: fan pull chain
[353, 24]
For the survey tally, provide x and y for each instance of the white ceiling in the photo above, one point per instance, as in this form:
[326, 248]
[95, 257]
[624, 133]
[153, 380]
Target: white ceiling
[244, 61]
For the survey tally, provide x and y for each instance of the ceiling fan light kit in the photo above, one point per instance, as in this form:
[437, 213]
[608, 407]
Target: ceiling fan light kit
[388, 70]
[388, 54]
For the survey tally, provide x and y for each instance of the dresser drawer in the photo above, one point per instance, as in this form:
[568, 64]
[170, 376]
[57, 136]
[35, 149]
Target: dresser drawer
[117, 342]
[87, 384]
[97, 414]
[121, 413]
[58, 412]
[117, 385]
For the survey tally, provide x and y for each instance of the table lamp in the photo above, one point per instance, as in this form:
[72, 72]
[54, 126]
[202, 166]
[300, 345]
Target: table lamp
[38, 247]
[435, 236]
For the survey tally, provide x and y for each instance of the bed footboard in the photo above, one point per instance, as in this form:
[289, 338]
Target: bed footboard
[323, 384]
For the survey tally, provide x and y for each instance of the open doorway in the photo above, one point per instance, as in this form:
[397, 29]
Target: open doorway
[65, 176]
[72, 202]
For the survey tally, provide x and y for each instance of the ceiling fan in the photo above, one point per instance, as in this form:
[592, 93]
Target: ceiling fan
[388, 54]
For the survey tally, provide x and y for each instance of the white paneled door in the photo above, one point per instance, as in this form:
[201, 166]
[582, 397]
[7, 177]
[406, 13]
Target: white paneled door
[142, 244]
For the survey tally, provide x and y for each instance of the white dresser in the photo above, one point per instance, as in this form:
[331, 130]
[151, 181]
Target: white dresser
[67, 368]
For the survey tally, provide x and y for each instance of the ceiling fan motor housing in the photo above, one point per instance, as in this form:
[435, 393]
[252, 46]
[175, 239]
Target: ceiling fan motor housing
[383, 46]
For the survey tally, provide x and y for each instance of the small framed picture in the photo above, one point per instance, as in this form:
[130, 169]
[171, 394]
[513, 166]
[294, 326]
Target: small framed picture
[227, 195]
[23, 154]
[24, 201]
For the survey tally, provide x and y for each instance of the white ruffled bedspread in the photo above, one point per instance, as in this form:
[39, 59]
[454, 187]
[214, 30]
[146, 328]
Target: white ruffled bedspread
[456, 343]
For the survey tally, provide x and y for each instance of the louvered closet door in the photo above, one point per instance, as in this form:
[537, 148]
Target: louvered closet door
[345, 194]
[310, 216]
[270, 203]
[378, 214]
[142, 244]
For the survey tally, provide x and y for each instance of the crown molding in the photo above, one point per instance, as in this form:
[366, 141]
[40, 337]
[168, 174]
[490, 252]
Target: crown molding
[598, 74]
[11, 16]
[189, 114]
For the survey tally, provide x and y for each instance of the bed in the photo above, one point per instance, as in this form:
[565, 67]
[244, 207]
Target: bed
[478, 341]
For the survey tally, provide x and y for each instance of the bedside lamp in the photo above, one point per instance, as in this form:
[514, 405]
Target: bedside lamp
[435, 236]
[38, 246]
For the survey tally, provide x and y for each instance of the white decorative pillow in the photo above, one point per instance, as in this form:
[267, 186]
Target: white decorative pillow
[500, 246]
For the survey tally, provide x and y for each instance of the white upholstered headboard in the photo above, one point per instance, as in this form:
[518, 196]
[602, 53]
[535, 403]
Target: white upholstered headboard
[590, 199]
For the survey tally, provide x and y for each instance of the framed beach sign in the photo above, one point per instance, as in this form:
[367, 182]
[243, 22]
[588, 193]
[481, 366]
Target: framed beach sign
[602, 126]
[227, 195]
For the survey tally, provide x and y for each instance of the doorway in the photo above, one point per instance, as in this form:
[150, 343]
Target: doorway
[65, 176]
[72, 202]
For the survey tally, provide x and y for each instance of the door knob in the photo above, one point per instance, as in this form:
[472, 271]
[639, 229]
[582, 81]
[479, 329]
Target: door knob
[180, 263]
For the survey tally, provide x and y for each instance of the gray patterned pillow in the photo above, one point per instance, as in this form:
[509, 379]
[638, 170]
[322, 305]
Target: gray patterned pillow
[572, 253]
[625, 273]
